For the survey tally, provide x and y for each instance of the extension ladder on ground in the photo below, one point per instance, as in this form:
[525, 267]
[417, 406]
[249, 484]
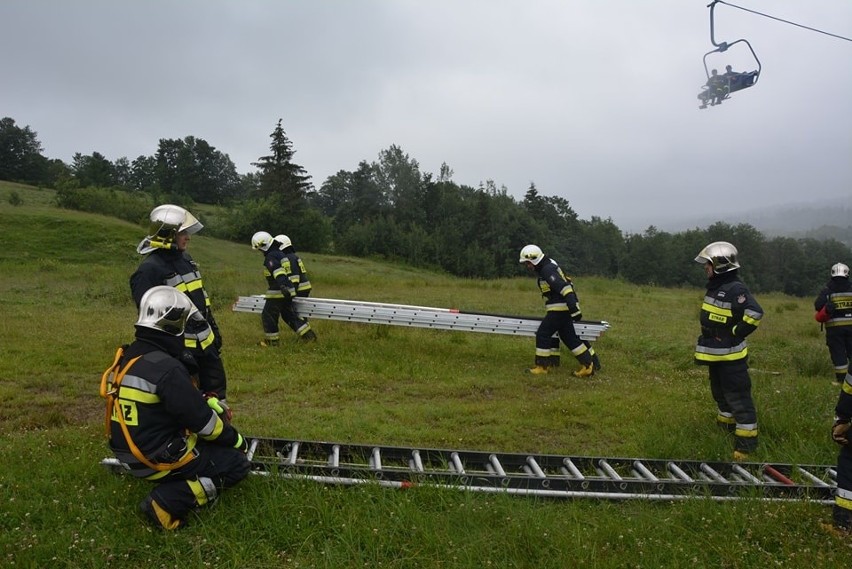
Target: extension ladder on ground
[417, 316]
[553, 476]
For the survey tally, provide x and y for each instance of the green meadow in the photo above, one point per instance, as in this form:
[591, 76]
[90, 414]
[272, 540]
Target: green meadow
[66, 307]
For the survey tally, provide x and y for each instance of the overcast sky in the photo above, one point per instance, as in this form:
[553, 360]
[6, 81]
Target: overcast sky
[592, 100]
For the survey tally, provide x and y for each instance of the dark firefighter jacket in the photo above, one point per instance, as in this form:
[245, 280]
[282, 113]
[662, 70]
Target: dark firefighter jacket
[729, 313]
[837, 294]
[164, 411]
[556, 288]
[286, 276]
[177, 269]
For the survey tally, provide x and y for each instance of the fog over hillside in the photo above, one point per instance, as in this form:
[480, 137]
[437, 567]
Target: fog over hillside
[789, 220]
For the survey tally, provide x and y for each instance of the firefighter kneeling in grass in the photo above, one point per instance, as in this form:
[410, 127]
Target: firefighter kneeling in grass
[160, 426]
[729, 313]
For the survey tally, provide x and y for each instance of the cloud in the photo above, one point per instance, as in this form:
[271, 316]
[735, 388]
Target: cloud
[594, 101]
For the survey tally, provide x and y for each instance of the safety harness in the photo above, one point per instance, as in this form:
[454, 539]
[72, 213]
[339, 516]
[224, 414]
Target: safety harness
[110, 387]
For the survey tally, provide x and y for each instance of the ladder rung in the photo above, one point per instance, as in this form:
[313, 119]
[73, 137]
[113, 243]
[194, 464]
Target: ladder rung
[708, 470]
[456, 463]
[495, 464]
[294, 453]
[416, 463]
[535, 468]
[572, 470]
[746, 475]
[678, 473]
[608, 471]
[376, 459]
[642, 471]
[812, 477]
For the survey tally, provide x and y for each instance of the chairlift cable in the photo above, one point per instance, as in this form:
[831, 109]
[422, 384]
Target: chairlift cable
[784, 21]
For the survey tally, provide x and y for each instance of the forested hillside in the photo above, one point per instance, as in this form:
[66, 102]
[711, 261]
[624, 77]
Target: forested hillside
[391, 209]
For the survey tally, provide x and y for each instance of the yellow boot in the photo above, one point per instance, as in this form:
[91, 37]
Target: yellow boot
[537, 370]
[740, 456]
[585, 371]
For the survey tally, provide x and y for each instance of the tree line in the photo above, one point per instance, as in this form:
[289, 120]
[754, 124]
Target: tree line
[389, 208]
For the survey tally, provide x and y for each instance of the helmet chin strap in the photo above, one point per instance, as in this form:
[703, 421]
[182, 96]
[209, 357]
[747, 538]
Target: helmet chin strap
[164, 245]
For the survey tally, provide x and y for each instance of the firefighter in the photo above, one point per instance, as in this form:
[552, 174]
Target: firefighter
[286, 278]
[562, 309]
[842, 512]
[729, 313]
[160, 426]
[168, 263]
[834, 309]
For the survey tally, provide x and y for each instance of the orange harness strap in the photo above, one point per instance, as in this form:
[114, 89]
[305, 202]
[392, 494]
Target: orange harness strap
[109, 390]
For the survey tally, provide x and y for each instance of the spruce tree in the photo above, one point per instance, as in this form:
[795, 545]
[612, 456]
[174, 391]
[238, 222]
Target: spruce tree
[279, 176]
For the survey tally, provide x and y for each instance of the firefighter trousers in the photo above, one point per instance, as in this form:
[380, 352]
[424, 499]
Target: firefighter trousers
[177, 494]
[279, 307]
[730, 385]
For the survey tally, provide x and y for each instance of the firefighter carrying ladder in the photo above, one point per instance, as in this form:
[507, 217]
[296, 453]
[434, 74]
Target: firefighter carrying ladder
[417, 316]
[551, 476]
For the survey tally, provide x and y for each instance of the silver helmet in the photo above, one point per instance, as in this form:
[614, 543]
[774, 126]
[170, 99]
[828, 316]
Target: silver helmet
[840, 270]
[166, 309]
[261, 240]
[284, 240]
[721, 254]
[166, 221]
[531, 254]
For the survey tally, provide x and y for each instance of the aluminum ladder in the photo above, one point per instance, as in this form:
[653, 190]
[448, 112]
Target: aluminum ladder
[417, 316]
[551, 476]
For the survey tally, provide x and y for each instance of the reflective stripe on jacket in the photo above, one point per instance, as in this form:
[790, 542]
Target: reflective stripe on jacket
[556, 288]
[729, 313]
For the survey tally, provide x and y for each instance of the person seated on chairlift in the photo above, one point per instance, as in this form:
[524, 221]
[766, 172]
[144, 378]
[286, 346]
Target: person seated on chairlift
[736, 80]
[717, 87]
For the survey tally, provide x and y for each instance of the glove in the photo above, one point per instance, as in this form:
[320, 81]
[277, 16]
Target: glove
[578, 316]
[220, 407]
[840, 430]
[241, 444]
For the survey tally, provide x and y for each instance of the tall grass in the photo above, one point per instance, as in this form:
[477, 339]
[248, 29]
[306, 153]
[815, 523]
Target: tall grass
[66, 306]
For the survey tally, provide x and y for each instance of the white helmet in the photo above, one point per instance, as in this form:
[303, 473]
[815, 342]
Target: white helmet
[167, 221]
[166, 309]
[532, 254]
[840, 270]
[284, 240]
[261, 240]
[721, 254]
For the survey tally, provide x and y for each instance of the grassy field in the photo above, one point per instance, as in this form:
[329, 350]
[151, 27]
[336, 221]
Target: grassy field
[66, 306]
